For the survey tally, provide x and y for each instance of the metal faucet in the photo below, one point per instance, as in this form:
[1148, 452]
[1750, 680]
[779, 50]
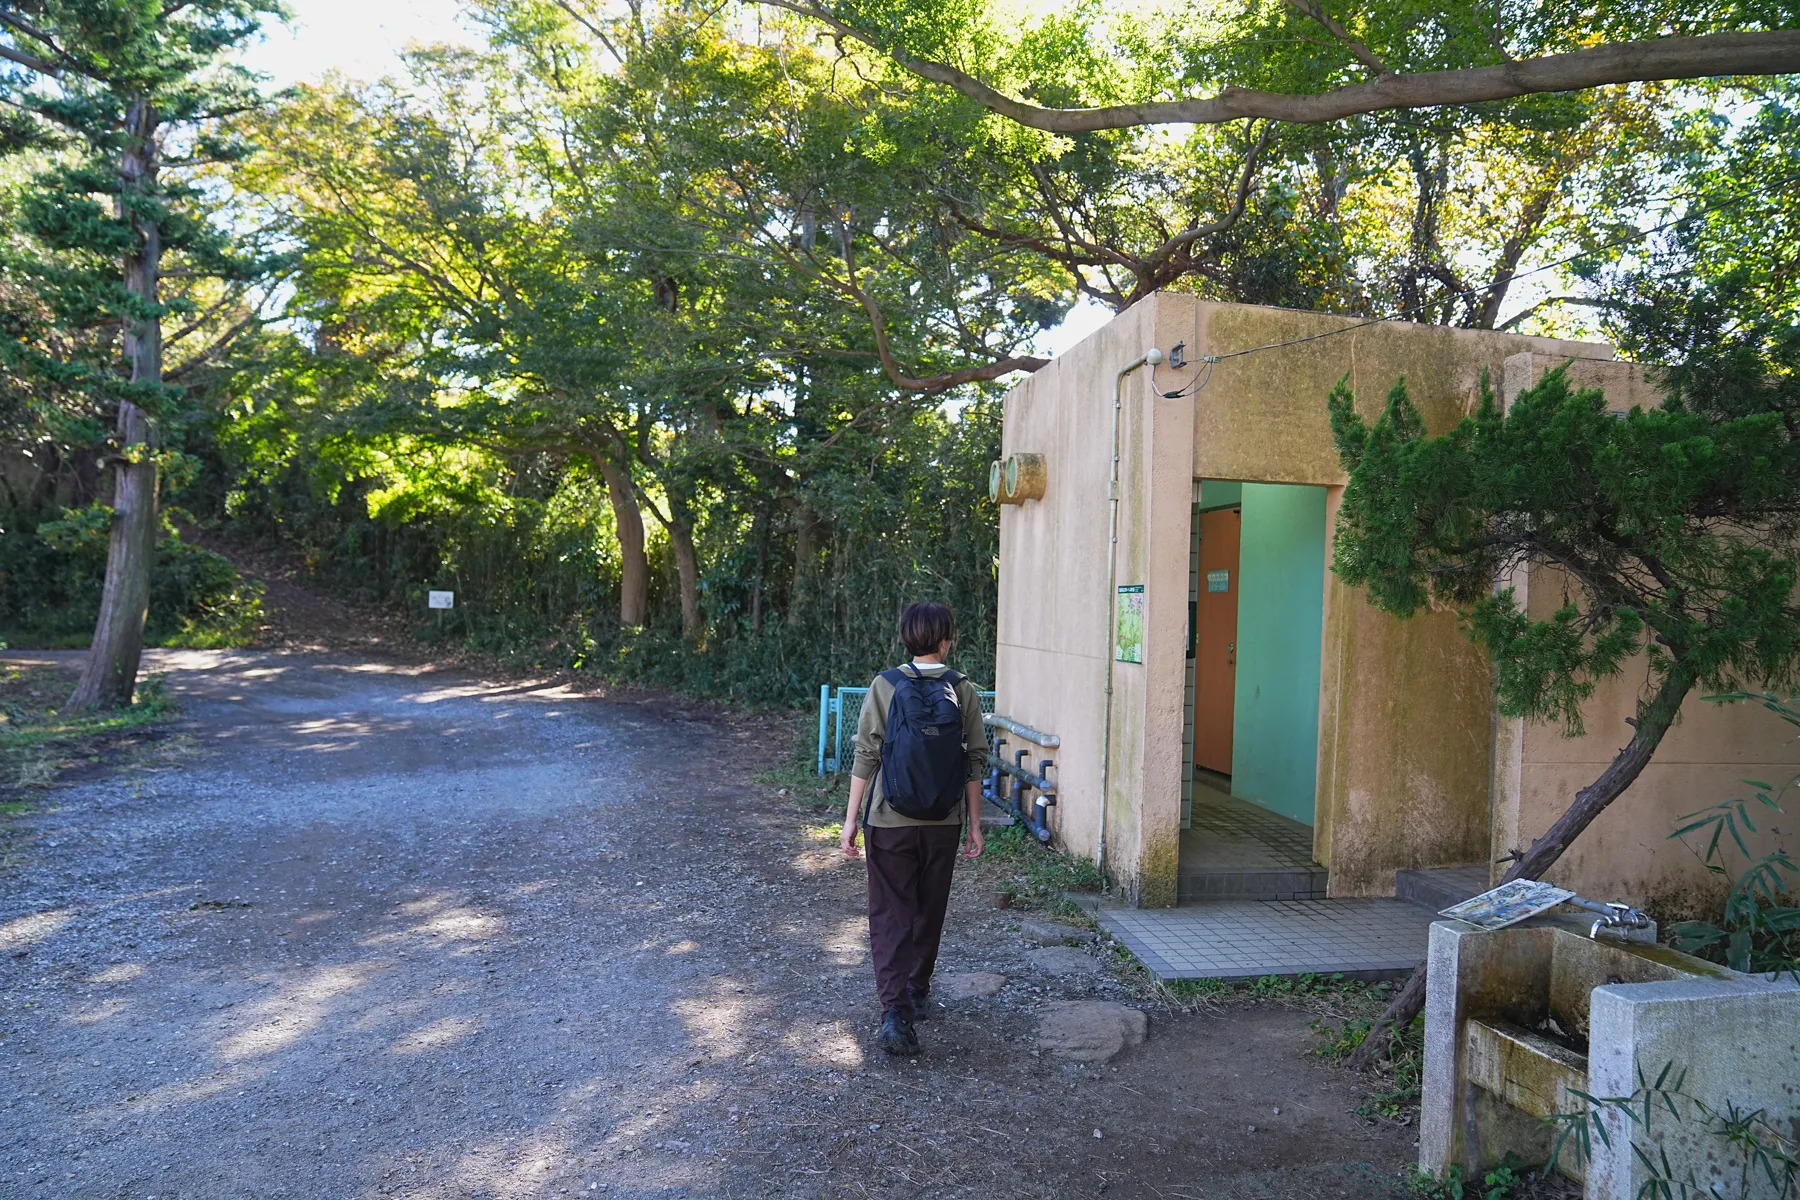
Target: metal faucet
[1632, 923]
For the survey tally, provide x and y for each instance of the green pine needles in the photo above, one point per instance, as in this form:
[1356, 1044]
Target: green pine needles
[117, 105]
[1671, 532]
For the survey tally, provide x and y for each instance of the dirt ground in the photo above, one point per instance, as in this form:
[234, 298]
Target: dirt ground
[383, 930]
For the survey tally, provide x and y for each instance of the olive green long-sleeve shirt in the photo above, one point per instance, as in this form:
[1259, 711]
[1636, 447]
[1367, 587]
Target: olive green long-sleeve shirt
[872, 728]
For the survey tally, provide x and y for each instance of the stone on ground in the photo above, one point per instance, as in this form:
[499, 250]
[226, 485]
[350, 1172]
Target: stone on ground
[1054, 933]
[1090, 1030]
[971, 985]
[1062, 960]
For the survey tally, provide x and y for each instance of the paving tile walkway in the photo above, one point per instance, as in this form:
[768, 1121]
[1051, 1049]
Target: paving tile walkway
[1248, 939]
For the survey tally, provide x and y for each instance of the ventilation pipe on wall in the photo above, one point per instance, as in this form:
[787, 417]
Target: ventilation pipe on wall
[1150, 358]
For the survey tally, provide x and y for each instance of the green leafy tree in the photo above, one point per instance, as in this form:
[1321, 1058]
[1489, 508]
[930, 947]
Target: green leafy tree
[1420, 207]
[705, 265]
[121, 99]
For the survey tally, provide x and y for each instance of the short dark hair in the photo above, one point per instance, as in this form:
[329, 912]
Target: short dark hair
[926, 626]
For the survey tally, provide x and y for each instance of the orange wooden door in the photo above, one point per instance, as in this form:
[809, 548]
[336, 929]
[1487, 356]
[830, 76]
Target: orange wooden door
[1215, 639]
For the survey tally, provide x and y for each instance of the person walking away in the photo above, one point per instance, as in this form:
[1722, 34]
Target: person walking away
[915, 792]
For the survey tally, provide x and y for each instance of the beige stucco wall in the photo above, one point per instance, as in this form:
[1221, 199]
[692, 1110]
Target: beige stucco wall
[1055, 612]
[1408, 766]
[1626, 854]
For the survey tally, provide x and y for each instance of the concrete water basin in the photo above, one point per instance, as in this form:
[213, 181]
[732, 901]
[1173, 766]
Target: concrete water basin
[1521, 1022]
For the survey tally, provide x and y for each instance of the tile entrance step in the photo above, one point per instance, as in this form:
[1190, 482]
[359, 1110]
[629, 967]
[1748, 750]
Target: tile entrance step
[1361, 939]
[1198, 887]
[1437, 888]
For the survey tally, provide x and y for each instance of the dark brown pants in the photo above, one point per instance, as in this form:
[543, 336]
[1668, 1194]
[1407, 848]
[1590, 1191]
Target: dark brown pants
[909, 889]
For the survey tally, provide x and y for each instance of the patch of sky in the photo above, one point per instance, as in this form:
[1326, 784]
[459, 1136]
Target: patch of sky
[1084, 318]
[359, 39]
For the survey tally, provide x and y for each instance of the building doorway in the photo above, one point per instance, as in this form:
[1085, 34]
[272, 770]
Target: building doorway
[1256, 584]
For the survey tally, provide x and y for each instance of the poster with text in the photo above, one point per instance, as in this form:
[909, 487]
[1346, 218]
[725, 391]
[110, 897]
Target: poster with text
[1130, 624]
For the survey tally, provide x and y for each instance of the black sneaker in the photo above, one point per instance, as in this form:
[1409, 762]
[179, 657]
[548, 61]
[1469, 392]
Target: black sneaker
[921, 1002]
[897, 1036]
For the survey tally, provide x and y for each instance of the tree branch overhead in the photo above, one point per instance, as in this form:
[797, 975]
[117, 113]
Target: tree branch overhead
[1774, 52]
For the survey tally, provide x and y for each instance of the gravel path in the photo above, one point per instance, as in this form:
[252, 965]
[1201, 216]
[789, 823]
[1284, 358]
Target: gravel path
[386, 931]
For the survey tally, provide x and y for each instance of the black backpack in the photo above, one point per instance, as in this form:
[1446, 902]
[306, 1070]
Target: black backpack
[924, 761]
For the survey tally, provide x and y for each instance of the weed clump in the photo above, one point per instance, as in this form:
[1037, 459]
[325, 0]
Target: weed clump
[40, 738]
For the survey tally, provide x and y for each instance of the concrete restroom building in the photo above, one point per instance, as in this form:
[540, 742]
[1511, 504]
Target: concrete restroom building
[1275, 719]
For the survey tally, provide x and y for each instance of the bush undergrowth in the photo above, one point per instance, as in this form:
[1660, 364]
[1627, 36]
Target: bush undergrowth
[53, 569]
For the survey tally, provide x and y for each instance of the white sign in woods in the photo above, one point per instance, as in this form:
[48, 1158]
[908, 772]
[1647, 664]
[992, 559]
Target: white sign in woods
[440, 599]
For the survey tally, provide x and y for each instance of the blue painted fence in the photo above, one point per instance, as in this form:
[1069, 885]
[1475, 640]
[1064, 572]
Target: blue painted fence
[839, 711]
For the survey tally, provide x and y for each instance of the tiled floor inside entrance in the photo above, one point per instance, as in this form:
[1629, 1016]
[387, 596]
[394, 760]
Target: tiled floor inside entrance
[1237, 851]
[1248, 939]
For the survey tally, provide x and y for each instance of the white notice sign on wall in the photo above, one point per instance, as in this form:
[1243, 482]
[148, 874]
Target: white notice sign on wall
[440, 599]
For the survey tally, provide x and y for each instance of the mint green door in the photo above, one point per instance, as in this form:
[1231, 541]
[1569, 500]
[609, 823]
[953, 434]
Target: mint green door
[1281, 611]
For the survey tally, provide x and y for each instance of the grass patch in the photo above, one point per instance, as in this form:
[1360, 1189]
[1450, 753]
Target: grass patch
[1510, 1179]
[38, 639]
[1198, 991]
[1329, 997]
[797, 778]
[1036, 876]
[825, 831]
[1395, 1096]
[39, 740]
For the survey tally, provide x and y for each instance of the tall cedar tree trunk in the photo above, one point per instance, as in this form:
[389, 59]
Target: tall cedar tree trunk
[1653, 720]
[687, 566]
[628, 521]
[762, 562]
[806, 548]
[110, 676]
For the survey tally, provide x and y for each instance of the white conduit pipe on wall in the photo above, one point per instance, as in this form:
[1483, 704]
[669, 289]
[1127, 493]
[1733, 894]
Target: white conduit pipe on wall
[1150, 358]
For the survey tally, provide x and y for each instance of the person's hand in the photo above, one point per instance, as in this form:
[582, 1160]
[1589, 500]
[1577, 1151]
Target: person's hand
[848, 842]
[973, 841]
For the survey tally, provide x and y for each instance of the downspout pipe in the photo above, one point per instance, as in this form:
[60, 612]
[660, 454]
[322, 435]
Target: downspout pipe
[1038, 821]
[1150, 358]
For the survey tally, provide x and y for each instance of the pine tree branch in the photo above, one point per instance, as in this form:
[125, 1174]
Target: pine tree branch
[29, 63]
[64, 61]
